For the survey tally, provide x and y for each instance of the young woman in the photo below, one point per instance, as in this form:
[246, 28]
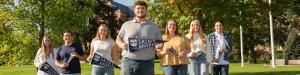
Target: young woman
[45, 54]
[199, 55]
[173, 56]
[103, 45]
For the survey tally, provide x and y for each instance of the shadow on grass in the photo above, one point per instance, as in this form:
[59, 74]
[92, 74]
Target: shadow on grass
[268, 73]
[156, 61]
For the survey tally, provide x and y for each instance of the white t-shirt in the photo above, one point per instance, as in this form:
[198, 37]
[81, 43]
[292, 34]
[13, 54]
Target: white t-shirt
[103, 48]
[220, 45]
[196, 44]
[38, 60]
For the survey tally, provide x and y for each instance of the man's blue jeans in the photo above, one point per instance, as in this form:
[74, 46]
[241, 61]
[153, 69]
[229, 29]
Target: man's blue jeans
[137, 67]
[175, 69]
[220, 69]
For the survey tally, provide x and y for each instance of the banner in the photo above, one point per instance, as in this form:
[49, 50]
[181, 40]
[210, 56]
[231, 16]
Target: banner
[71, 58]
[202, 57]
[172, 50]
[101, 61]
[48, 69]
[136, 44]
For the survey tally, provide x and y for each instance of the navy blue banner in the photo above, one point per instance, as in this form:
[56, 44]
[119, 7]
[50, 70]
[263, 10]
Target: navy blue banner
[48, 69]
[172, 50]
[202, 57]
[101, 61]
[136, 44]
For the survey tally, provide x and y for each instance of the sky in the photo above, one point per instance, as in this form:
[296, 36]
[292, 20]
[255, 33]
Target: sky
[125, 2]
[128, 2]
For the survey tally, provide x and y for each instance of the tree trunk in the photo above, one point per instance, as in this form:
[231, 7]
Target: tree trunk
[42, 21]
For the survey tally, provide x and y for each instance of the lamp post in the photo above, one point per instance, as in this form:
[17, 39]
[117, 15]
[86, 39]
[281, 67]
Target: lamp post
[242, 51]
[272, 37]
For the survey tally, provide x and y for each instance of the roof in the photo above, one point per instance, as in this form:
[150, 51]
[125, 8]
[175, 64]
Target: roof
[124, 9]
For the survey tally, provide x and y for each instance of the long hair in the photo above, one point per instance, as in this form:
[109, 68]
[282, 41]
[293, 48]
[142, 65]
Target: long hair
[107, 35]
[44, 48]
[177, 28]
[202, 38]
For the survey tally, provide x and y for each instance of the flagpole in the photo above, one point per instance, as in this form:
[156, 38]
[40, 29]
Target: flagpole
[272, 37]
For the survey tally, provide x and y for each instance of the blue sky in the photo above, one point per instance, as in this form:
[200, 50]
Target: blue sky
[128, 2]
[125, 2]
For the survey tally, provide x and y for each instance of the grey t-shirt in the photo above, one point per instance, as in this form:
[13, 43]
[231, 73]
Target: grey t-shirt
[144, 30]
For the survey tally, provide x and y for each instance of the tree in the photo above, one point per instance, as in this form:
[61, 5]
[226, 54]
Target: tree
[33, 19]
[251, 14]
[24, 23]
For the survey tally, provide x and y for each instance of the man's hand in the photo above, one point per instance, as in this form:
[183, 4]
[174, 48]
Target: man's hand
[216, 60]
[58, 64]
[159, 46]
[224, 50]
[64, 65]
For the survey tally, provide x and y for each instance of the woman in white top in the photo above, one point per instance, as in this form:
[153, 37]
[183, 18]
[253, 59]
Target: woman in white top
[103, 45]
[45, 54]
[200, 52]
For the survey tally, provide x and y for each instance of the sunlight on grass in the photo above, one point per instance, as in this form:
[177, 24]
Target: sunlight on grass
[235, 69]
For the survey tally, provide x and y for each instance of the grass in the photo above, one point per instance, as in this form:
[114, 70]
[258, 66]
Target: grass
[260, 69]
[234, 69]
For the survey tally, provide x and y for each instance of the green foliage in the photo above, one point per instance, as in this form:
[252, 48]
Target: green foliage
[252, 15]
[21, 26]
[292, 45]
[17, 48]
[60, 15]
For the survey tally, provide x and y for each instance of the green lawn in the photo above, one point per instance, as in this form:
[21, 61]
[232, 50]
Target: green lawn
[235, 69]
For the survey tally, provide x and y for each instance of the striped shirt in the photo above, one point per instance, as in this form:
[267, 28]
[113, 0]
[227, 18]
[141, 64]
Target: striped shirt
[215, 45]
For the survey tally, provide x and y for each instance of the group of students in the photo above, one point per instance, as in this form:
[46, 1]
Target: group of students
[192, 53]
[195, 51]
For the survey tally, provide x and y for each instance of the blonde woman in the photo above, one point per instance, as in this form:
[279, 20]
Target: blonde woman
[173, 56]
[103, 45]
[45, 54]
[200, 52]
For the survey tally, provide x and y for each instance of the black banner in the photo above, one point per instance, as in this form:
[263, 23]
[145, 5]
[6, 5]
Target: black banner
[101, 61]
[172, 50]
[136, 44]
[48, 69]
[202, 57]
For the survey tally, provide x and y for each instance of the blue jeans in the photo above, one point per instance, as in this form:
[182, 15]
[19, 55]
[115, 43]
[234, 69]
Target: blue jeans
[137, 67]
[175, 69]
[220, 69]
[97, 70]
[70, 74]
[198, 69]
